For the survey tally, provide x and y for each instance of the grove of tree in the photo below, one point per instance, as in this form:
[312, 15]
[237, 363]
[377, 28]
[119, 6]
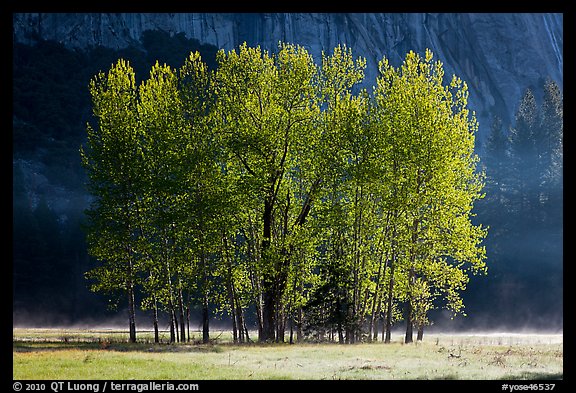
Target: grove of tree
[273, 189]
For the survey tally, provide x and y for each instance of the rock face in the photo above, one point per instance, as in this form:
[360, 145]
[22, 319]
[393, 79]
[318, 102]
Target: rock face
[498, 55]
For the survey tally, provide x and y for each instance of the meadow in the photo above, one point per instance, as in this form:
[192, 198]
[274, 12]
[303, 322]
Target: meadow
[66, 354]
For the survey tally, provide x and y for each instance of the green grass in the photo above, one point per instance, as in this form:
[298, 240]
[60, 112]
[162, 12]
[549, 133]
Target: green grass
[94, 355]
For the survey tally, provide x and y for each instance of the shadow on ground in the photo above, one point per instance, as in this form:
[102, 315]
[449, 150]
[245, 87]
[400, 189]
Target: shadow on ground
[18, 346]
[534, 376]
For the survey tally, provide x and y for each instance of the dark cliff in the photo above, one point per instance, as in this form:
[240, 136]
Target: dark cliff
[497, 54]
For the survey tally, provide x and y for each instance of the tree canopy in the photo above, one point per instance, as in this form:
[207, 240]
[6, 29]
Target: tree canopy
[274, 186]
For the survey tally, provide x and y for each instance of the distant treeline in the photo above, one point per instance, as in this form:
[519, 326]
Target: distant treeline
[524, 210]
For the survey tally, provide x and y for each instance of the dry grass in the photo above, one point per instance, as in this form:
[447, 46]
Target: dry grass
[105, 355]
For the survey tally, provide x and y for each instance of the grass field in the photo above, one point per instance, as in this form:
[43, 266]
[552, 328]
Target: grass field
[105, 354]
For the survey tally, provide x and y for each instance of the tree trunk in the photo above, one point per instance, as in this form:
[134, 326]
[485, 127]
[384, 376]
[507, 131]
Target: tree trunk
[181, 316]
[131, 312]
[409, 309]
[340, 333]
[408, 338]
[205, 290]
[260, 318]
[234, 328]
[377, 304]
[360, 316]
[384, 330]
[170, 301]
[205, 320]
[389, 303]
[155, 321]
[130, 293]
[372, 327]
[231, 302]
[411, 280]
[420, 334]
[176, 331]
[239, 319]
[172, 321]
[299, 334]
[268, 290]
[255, 254]
[280, 321]
[230, 289]
[378, 317]
[350, 333]
[291, 323]
[245, 330]
[268, 320]
[188, 319]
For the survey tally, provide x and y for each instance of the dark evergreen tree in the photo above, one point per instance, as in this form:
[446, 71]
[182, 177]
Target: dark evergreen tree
[496, 163]
[523, 178]
[551, 152]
